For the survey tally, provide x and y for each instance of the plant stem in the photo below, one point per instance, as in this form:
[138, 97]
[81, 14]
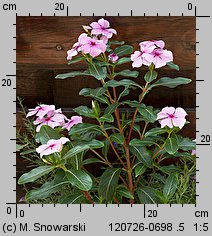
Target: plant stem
[87, 195]
[102, 158]
[136, 111]
[144, 130]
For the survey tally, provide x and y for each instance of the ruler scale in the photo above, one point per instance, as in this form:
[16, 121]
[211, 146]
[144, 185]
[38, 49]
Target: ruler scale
[105, 219]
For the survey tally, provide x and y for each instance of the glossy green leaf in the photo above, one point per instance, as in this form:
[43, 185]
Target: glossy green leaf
[123, 191]
[84, 128]
[171, 145]
[125, 92]
[107, 118]
[72, 74]
[106, 147]
[49, 187]
[75, 150]
[143, 142]
[140, 169]
[150, 76]
[128, 73]
[155, 132]
[92, 160]
[123, 60]
[108, 183]
[148, 113]
[117, 137]
[123, 50]
[125, 82]
[142, 154]
[169, 169]
[170, 186]
[147, 195]
[170, 82]
[75, 198]
[34, 174]
[116, 42]
[46, 133]
[111, 108]
[173, 66]
[76, 59]
[159, 177]
[79, 179]
[97, 94]
[76, 160]
[187, 144]
[85, 111]
[97, 71]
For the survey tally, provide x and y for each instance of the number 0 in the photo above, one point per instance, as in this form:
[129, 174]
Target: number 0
[190, 6]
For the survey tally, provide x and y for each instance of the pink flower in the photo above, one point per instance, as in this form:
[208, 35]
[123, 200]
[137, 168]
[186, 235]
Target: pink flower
[159, 57]
[93, 46]
[113, 57]
[52, 146]
[73, 121]
[169, 116]
[52, 119]
[193, 152]
[102, 27]
[139, 57]
[76, 47]
[156, 43]
[41, 110]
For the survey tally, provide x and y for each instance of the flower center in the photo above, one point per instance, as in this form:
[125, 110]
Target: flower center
[157, 54]
[51, 146]
[171, 116]
[93, 44]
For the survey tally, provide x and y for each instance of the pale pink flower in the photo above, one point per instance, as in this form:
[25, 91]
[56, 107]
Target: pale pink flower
[156, 43]
[113, 57]
[159, 57]
[76, 47]
[102, 27]
[139, 57]
[40, 110]
[52, 146]
[93, 46]
[193, 152]
[73, 121]
[171, 117]
[52, 119]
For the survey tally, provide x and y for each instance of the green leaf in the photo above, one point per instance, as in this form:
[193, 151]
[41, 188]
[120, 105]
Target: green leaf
[148, 113]
[91, 161]
[35, 174]
[75, 198]
[97, 71]
[147, 195]
[85, 111]
[170, 186]
[76, 160]
[72, 74]
[155, 132]
[122, 191]
[84, 128]
[170, 83]
[76, 59]
[125, 92]
[19, 147]
[106, 147]
[143, 142]
[123, 50]
[117, 137]
[49, 187]
[142, 154]
[97, 94]
[125, 82]
[94, 144]
[108, 183]
[171, 145]
[74, 151]
[173, 66]
[46, 133]
[169, 169]
[187, 144]
[117, 42]
[79, 179]
[111, 108]
[128, 73]
[123, 60]
[140, 169]
[159, 177]
[107, 118]
[150, 76]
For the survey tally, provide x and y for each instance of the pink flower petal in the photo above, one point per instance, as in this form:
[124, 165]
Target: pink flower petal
[104, 23]
[166, 122]
[180, 112]
[179, 122]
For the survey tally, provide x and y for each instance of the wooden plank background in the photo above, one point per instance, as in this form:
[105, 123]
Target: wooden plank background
[41, 48]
